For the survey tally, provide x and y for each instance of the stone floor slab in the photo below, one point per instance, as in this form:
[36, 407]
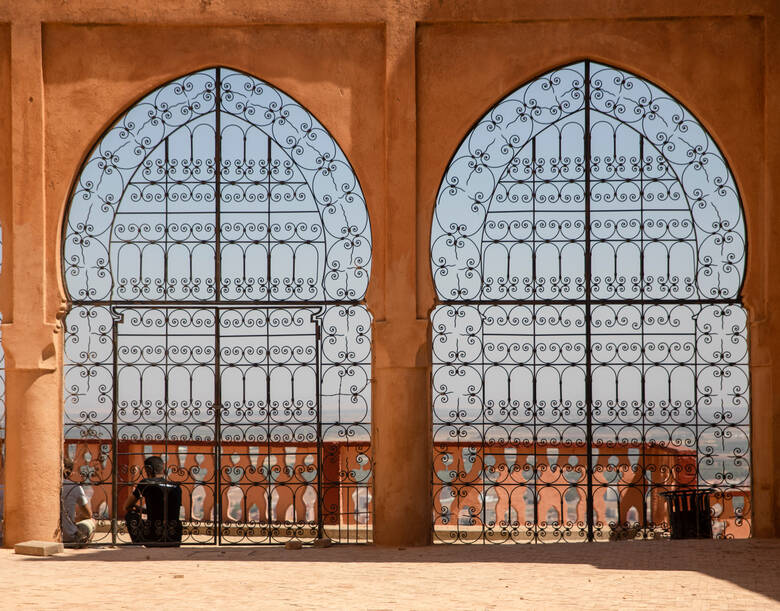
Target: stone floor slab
[621, 575]
[38, 548]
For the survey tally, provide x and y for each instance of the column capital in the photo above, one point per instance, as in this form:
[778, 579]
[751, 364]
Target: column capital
[30, 347]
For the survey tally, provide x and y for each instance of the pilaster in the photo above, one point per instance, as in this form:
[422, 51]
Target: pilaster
[402, 447]
[29, 333]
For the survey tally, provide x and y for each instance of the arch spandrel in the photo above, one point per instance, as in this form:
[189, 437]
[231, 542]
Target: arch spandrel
[128, 149]
[493, 151]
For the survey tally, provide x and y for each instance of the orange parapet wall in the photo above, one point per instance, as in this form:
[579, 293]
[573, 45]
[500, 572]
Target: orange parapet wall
[492, 487]
[275, 482]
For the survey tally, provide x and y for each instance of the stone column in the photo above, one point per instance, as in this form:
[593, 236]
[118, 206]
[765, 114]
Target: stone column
[29, 333]
[33, 435]
[402, 435]
[401, 404]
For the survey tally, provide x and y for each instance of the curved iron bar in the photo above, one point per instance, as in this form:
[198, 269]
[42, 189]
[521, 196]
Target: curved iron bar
[589, 349]
[217, 248]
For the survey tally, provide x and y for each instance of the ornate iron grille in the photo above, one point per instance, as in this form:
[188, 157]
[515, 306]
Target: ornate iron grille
[590, 349]
[217, 249]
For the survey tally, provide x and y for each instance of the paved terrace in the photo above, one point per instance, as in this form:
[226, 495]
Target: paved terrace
[627, 575]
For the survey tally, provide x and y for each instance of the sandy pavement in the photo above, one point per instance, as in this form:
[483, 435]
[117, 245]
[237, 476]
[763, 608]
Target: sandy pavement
[626, 575]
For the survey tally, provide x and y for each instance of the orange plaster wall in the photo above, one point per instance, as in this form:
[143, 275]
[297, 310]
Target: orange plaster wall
[5, 149]
[5, 182]
[398, 83]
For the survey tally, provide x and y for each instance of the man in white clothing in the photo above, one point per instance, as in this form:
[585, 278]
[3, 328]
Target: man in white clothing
[75, 512]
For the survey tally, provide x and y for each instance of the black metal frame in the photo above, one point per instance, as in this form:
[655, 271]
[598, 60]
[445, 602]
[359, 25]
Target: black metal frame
[264, 217]
[499, 194]
[255, 531]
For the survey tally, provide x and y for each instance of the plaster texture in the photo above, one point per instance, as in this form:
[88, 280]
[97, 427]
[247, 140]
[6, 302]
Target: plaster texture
[398, 84]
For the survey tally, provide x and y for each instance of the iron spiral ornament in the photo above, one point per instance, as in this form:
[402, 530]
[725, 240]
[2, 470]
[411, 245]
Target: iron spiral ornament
[589, 347]
[217, 251]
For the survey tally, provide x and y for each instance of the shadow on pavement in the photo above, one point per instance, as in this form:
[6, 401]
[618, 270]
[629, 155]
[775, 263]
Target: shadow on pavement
[752, 564]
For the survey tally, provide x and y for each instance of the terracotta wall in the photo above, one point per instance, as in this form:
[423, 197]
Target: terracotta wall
[398, 83]
[258, 484]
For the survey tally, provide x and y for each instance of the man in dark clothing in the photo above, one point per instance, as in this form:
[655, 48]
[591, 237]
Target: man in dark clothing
[163, 502]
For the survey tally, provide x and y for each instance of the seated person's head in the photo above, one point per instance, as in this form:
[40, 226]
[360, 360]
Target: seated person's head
[67, 467]
[154, 466]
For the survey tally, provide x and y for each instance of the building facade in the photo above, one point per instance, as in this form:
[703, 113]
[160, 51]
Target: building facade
[396, 87]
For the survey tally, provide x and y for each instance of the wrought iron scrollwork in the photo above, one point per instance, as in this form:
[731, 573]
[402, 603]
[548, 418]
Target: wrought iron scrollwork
[590, 351]
[656, 185]
[149, 202]
[217, 249]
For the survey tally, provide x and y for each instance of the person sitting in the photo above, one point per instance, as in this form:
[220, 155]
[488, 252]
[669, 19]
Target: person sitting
[163, 502]
[75, 511]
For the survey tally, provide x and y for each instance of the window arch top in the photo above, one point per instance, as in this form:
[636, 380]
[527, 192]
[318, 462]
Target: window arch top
[588, 182]
[217, 186]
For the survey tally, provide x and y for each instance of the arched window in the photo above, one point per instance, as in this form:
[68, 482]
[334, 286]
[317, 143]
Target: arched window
[588, 251]
[217, 251]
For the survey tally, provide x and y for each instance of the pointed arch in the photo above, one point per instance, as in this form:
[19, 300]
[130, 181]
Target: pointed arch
[588, 249]
[296, 160]
[490, 177]
[217, 252]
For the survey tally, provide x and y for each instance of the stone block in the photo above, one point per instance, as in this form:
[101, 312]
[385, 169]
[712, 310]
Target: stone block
[293, 545]
[323, 542]
[39, 548]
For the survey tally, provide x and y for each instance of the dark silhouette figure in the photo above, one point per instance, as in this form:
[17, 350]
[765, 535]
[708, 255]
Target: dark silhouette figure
[162, 502]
